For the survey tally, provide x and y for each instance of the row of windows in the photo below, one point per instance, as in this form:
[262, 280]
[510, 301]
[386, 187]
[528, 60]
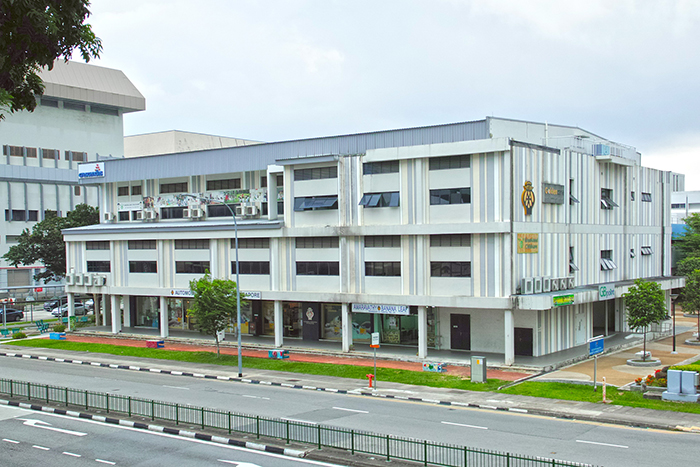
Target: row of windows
[317, 242]
[18, 151]
[124, 190]
[435, 163]
[316, 173]
[380, 200]
[451, 196]
[97, 245]
[96, 109]
[21, 215]
[227, 184]
[192, 244]
[180, 187]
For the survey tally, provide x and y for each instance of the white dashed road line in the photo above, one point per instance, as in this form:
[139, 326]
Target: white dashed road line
[41, 447]
[72, 454]
[603, 444]
[105, 462]
[466, 426]
[350, 410]
[10, 441]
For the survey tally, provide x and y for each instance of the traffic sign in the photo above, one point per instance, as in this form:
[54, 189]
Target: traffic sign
[375, 340]
[596, 345]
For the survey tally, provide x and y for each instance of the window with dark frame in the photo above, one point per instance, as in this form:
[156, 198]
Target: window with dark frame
[15, 215]
[96, 109]
[97, 245]
[450, 269]
[74, 106]
[251, 243]
[572, 264]
[141, 245]
[318, 268]
[572, 198]
[99, 266]
[646, 250]
[32, 216]
[678, 206]
[143, 267]
[317, 242]
[316, 173]
[220, 210]
[180, 187]
[77, 156]
[45, 102]
[123, 216]
[122, 191]
[646, 197]
[383, 241]
[383, 268]
[450, 162]
[380, 200]
[316, 203]
[136, 190]
[191, 244]
[606, 261]
[175, 212]
[76, 190]
[49, 154]
[606, 201]
[225, 184]
[384, 167]
[451, 240]
[450, 196]
[251, 267]
[32, 152]
[191, 267]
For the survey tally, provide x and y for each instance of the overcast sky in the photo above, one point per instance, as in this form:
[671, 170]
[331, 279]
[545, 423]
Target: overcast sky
[290, 69]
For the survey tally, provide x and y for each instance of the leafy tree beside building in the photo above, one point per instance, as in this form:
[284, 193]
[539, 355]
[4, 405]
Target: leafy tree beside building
[646, 305]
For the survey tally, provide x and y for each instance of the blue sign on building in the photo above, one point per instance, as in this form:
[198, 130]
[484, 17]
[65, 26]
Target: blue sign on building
[596, 346]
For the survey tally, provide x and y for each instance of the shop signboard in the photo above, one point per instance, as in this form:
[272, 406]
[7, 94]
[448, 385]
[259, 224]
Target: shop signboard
[528, 242]
[130, 206]
[563, 300]
[181, 293]
[91, 170]
[606, 292]
[552, 193]
[246, 295]
[381, 309]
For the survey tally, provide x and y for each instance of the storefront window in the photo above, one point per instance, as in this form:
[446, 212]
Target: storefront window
[332, 321]
[400, 329]
[362, 327]
[246, 314]
[147, 311]
[268, 318]
[291, 314]
[177, 314]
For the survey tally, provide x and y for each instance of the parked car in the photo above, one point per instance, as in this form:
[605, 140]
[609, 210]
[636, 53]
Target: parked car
[90, 304]
[53, 303]
[79, 309]
[12, 315]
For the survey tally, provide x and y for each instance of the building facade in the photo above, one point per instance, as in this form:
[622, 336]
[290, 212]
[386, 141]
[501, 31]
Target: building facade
[495, 235]
[78, 119]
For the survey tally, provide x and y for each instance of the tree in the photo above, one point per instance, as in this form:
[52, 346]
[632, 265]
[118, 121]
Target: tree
[34, 34]
[646, 305]
[690, 299]
[688, 243]
[44, 244]
[214, 305]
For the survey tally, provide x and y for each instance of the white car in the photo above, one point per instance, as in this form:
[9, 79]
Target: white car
[63, 310]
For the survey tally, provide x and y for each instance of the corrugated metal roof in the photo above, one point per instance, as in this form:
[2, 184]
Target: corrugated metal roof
[92, 84]
[259, 156]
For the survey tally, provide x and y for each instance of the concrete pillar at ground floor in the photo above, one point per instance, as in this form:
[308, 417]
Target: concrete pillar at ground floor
[509, 337]
[108, 310]
[163, 317]
[98, 310]
[346, 327]
[127, 311]
[116, 314]
[279, 324]
[71, 309]
[422, 332]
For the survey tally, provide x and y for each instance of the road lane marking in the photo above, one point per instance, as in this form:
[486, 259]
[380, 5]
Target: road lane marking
[239, 464]
[467, 426]
[350, 410]
[102, 461]
[10, 441]
[299, 421]
[72, 454]
[176, 387]
[255, 397]
[41, 447]
[46, 426]
[603, 444]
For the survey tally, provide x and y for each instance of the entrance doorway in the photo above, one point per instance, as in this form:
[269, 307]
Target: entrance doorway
[523, 342]
[460, 332]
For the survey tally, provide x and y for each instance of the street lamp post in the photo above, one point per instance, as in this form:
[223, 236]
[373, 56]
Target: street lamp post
[674, 296]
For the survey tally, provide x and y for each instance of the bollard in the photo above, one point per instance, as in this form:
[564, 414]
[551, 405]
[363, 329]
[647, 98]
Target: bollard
[370, 376]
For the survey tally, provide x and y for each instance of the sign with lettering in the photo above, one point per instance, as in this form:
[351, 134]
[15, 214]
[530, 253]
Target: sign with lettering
[563, 300]
[130, 206]
[596, 345]
[606, 291]
[381, 309]
[91, 170]
[180, 293]
[552, 194]
[251, 295]
[528, 242]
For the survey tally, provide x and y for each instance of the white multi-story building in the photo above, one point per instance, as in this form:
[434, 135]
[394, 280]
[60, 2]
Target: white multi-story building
[78, 119]
[495, 235]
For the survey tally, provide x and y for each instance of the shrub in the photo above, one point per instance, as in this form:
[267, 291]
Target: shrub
[19, 335]
[59, 327]
[693, 367]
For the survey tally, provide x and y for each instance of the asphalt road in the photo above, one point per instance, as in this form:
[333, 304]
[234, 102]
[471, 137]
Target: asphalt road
[577, 441]
[31, 438]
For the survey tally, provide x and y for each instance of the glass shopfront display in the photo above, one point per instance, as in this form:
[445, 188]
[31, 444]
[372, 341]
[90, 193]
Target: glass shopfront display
[146, 311]
[267, 311]
[362, 326]
[292, 319]
[332, 321]
[399, 329]
[177, 314]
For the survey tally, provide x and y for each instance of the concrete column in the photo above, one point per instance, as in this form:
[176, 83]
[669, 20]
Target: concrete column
[163, 317]
[509, 337]
[71, 309]
[346, 323]
[116, 314]
[98, 310]
[422, 332]
[279, 324]
[127, 311]
[272, 196]
[108, 310]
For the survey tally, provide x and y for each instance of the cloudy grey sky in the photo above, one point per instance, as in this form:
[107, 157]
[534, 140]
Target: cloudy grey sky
[274, 70]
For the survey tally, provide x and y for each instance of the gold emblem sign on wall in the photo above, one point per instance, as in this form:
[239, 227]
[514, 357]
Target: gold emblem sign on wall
[528, 198]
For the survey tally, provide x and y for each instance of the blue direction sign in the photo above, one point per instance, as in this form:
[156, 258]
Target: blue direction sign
[595, 346]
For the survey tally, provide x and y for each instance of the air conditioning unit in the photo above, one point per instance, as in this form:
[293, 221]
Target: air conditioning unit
[108, 216]
[546, 284]
[555, 284]
[78, 279]
[99, 281]
[193, 213]
[140, 215]
[526, 286]
[70, 279]
[187, 214]
[87, 280]
[151, 215]
[563, 284]
[538, 284]
[251, 211]
[571, 283]
[240, 211]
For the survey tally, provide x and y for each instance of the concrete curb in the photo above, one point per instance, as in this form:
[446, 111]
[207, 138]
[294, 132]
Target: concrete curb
[160, 429]
[367, 393]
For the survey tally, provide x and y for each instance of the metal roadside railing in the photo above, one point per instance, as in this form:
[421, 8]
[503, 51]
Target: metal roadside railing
[353, 441]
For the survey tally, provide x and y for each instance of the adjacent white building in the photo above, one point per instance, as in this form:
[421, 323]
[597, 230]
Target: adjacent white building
[78, 119]
[495, 235]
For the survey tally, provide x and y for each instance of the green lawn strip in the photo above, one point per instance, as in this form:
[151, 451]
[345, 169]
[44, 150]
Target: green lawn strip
[418, 378]
[580, 392]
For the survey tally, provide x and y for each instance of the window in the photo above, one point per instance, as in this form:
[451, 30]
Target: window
[572, 264]
[631, 195]
[321, 268]
[76, 190]
[50, 154]
[16, 151]
[96, 109]
[49, 102]
[99, 266]
[97, 245]
[142, 245]
[386, 268]
[134, 215]
[678, 206]
[251, 267]
[451, 196]
[386, 167]
[192, 244]
[31, 152]
[143, 266]
[450, 162]
[76, 156]
[316, 203]
[123, 215]
[383, 241]
[606, 201]
[646, 250]
[380, 200]
[228, 184]
[32, 216]
[251, 243]
[136, 190]
[180, 187]
[632, 254]
[317, 242]
[450, 269]
[172, 213]
[12, 239]
[316, 174]
[220, 210]
[606, 262]
[74, 106]
[451, 240]
[572, 198]
[123, 191]
[646, 197]
[263, 181]
[15, 215]
[191, 267]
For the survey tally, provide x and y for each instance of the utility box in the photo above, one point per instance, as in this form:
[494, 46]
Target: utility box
[478, 369]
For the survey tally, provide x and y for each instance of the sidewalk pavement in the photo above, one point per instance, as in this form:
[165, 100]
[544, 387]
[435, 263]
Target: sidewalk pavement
[596, 412]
